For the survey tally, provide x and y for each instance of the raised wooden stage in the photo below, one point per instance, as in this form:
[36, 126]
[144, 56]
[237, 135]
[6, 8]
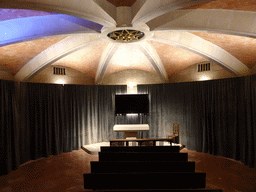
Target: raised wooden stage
[94, 149]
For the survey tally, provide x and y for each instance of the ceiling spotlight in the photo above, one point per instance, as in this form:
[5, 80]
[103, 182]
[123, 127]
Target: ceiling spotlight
[126, 35]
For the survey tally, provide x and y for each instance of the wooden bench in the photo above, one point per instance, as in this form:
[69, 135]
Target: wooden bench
[141, 142]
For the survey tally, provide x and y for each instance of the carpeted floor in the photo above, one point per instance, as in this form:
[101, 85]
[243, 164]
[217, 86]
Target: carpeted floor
[65, 173]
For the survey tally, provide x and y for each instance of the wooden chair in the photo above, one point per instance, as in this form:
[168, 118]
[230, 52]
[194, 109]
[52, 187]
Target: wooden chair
[175, 133]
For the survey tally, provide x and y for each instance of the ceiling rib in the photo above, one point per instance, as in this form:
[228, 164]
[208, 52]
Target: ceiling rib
[149, 51]
[108, 7]
[88, 10]
[54, 53]
[104, 61]
[152, 9]
[202, 47]
[232, 22]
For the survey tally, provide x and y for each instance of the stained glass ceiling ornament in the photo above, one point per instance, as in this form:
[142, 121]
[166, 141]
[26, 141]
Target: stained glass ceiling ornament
[126, 35]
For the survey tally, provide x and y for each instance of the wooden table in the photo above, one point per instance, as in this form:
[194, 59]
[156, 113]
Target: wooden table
[141, 142]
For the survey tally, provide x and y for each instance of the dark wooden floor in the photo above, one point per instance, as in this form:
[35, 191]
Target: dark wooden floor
[65, 173]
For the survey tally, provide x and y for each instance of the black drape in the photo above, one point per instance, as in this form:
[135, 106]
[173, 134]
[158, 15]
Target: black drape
[39, 120]
[42, 121]
[216, 117]
[9, 130]
[57, 118]
[90, 113]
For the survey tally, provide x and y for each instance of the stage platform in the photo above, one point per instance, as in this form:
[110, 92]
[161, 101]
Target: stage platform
[94, 149]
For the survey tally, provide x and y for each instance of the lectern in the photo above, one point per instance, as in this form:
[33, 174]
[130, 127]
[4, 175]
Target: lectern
[131, 130]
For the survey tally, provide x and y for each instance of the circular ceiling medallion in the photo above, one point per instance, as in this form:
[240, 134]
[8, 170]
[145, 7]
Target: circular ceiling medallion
[126, 35]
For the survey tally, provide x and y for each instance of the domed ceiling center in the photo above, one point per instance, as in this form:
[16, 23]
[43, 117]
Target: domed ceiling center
[126, 35]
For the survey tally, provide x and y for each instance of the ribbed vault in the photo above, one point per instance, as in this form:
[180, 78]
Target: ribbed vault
[74, 29]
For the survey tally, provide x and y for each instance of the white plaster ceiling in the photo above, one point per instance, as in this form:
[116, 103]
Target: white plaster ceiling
[178, 33]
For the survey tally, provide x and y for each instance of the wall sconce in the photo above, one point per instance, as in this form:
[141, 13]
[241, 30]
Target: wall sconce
[131, 88]
[204, 78]
[60, 82]
[131, 85]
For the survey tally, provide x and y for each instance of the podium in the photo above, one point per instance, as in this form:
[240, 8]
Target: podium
[131, 130]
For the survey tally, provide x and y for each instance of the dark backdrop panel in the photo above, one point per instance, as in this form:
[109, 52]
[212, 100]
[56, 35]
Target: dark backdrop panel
[42, 121]
[166, 108]
[38, 120]
[90, 113]
[216, 117]
[9, 119]
[57, 118]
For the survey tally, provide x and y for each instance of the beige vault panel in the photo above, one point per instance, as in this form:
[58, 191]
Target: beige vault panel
[129, 57]
[242, 5]
[14, 57]
[176, 59]
[85, 60]
[243, 48]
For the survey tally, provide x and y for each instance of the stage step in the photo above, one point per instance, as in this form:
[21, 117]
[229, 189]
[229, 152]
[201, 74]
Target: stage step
[134, 167]
[140, 149]
[147, 156]
[164, 190]
[144, 181]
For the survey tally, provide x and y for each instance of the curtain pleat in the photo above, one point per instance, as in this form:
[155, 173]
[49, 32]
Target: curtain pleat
[42, 120]
[39, 120]
[216, 117]
[9, 119]
[57, 119]
[92, 114]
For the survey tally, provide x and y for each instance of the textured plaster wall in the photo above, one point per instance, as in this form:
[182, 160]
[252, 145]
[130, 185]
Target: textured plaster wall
[72, 77]
[131, 78]
[4, 74]
[131, 75]
[254, 70]
[191, 74]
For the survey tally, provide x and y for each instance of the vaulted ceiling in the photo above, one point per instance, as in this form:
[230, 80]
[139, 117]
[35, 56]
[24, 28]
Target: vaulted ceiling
[177, 34]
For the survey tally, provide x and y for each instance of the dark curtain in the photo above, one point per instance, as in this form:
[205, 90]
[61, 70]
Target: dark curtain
[247, 138]
[227, 118]
[216, 117]
[39, 120]
[166, 108]
[57, 118]
[42, 121]
[131, 119]
[9, 119]
[90, 113]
